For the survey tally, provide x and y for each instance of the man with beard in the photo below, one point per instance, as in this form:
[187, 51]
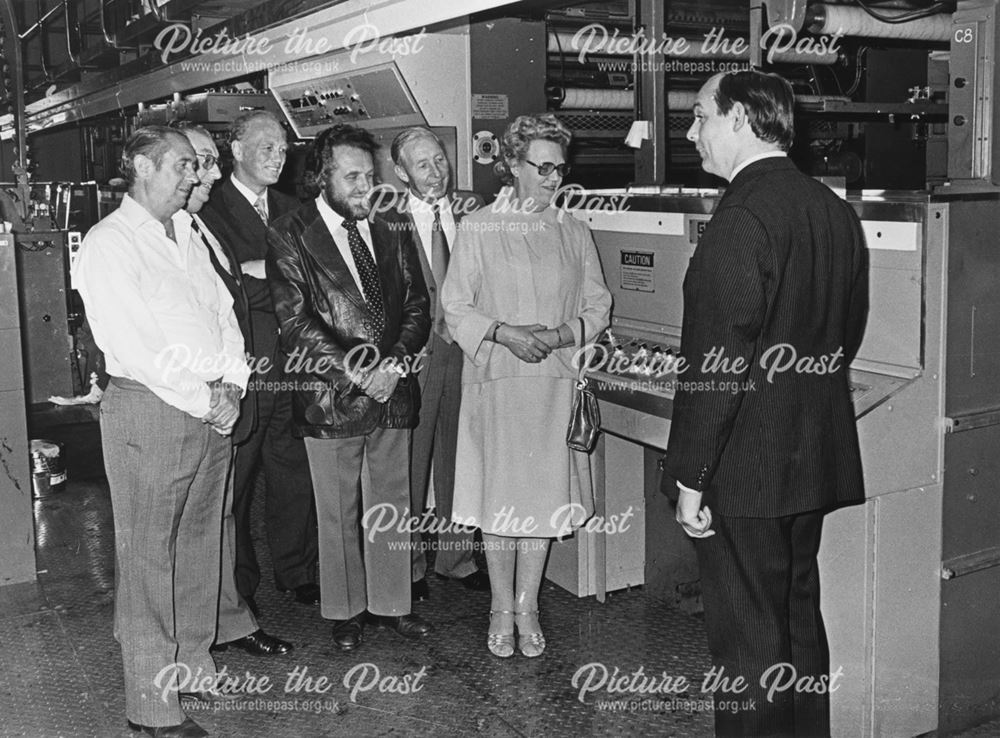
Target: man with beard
[238, 212]
[237, 624]
[353, 311]
[176, 358]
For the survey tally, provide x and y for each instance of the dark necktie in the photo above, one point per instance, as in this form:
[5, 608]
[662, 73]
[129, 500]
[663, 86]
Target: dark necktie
[229, 274]
[368, 272]
[439, 268]
[230, 277]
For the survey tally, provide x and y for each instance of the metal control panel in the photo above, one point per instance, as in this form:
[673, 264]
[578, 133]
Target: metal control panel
[375, 97]
[645, 245]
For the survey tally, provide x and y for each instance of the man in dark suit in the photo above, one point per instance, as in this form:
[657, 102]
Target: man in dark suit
[433, 211]
[236, 624]
[763, 439]
[353, 310]
[238, 212]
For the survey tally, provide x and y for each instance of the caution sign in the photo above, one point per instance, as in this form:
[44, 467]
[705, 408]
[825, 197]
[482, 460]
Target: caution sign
[637, 271]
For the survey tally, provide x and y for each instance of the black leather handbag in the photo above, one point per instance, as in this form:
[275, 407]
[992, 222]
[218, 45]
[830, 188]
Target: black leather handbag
[585, 419]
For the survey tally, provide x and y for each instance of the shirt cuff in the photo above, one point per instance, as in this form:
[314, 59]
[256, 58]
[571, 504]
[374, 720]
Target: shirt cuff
[682, 488]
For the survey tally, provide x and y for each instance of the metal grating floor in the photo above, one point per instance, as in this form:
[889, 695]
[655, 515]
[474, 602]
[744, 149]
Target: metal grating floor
[60, 668]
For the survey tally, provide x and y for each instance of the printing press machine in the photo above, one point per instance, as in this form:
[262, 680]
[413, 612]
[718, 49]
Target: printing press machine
[900, 572]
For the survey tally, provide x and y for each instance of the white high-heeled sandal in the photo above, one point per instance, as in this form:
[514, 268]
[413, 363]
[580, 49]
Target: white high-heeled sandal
[501, 644]
[531, 644]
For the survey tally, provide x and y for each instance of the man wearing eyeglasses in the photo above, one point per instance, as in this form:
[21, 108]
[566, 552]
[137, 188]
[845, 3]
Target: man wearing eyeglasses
[239, 211]
[176, 358]
[237, 624]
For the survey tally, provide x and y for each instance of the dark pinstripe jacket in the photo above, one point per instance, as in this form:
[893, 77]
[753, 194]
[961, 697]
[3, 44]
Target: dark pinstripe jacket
[778, 280]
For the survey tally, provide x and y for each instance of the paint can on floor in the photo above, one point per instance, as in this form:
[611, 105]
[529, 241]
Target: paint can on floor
[48, 468]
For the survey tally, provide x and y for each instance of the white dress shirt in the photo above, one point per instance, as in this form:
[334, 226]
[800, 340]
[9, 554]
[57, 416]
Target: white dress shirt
[249, 194]
[747, 162]
[158, 310]
[335, 224]
[423, 218]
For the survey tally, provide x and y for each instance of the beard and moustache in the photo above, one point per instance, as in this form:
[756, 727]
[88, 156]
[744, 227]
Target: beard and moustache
[343, 207]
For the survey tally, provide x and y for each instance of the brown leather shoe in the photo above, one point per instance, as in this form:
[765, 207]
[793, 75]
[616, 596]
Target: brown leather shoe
[408, 626]
[348, 634]
[188, 729]
[258, 643]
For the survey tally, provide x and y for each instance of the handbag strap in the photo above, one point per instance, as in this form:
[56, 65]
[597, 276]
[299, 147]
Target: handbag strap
[582, 372]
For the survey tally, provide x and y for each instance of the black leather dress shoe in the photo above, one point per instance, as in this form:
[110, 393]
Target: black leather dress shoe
[348, 634]
[258, 643]
[478, 580]
[305, 594]
[188, 729]
[419, 591]
[409, 626]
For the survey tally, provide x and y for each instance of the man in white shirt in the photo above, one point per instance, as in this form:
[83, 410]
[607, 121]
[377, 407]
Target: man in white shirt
[175, 354]
[348, 292]
[433, 211]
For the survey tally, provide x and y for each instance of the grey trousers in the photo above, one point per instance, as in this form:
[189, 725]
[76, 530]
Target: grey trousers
[434, 440]
[167, 473]
[373, 574]
[235, 619]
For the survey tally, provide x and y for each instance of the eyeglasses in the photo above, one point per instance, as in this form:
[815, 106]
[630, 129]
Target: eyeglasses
[207, 161]
[548, 167]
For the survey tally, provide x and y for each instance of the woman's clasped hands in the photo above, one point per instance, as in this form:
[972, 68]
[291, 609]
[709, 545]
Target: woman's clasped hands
[529, 343]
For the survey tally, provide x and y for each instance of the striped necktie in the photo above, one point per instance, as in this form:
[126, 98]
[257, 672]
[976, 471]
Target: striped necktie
[261, 207]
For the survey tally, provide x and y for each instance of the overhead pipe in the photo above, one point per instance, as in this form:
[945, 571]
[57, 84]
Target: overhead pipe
[74, 41]
[43, 40]
[109, 39]
[41, 20]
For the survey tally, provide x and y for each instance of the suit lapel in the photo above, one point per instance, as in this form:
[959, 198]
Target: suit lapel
[318, 241]
[384, 245]
[425, 265]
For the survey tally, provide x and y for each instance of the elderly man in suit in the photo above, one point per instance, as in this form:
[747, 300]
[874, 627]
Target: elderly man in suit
[237, 624]
[759, 455]
[238, 212]
[433, 211]
[176, 359]
[352, 305]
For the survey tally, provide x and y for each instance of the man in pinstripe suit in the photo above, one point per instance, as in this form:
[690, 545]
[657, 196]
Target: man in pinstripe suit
[763, 438]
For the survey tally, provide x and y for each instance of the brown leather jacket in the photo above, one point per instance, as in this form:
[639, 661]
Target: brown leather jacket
[322, 316]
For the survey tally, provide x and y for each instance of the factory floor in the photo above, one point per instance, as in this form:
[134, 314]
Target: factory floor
[61, 673]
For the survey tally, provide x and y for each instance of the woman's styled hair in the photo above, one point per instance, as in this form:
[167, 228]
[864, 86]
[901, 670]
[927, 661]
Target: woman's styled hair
[519, 135]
